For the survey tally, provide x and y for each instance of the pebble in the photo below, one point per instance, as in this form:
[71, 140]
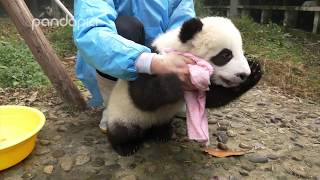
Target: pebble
[244, 173]
[60, 122]
[82, 159]
[48, 169]
[15, 177]
[297, 157]
[231, 133]
[56, 138]
[98, 162]
[129, 177]
[212, 121]
[258, 159]
[275, 120]
[245, 146]
[248, 166]
[28, 175]
[222, 128]
[236, 125]
[48, 160]
[66, 163]
[222, 137]
[42, 151]
[273, 156]
[317, 121]
[222, 146]
[296, 170]
[62, 129]
[44, 142]
[58, 153]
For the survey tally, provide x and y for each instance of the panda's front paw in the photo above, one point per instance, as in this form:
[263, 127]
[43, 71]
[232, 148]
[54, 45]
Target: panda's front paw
[255, 76]
[160, 133]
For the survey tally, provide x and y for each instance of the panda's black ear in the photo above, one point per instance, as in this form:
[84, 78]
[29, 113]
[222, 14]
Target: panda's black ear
[189, 29]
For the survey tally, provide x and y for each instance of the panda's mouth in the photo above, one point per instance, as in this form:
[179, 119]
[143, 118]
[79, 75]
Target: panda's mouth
[228, 82]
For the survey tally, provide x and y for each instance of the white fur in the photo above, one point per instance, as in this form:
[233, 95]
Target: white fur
[122, 110]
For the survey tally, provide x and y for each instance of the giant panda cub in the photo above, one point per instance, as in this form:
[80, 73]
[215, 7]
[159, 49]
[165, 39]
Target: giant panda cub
[143, 109]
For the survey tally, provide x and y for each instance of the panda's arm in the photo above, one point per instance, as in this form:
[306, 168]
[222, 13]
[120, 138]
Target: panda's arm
[219, 96]
[149, 92]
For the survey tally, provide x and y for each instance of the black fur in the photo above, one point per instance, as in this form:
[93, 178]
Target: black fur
[219, 96]
[149, 92]
[161, 133]
[106, 76]
[189, 29]
[124, 140]
[222, 58]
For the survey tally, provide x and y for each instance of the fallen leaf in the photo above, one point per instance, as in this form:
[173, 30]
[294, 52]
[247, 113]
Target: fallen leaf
[222, 153]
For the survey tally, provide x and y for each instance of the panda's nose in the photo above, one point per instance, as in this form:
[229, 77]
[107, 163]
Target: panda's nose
[242, 76]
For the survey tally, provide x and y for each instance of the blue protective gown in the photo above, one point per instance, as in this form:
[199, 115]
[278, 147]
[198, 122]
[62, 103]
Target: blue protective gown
[99, 45]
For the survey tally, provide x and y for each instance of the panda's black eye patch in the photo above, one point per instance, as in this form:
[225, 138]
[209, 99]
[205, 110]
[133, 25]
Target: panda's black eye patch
[222, 58]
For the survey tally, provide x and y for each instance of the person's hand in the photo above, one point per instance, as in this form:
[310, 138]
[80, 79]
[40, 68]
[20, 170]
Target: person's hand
[172, 63]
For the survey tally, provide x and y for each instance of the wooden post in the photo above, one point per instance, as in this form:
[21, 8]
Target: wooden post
[316, 22]
[290, 19]
[234, 8]
[245, 12]
[43, 52]
[265, 16]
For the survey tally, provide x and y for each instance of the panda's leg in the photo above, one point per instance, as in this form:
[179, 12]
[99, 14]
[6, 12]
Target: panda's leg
[105, 86]
[125, 140]
[161, 133]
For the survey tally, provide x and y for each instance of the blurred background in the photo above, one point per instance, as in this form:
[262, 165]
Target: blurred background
[282, 34]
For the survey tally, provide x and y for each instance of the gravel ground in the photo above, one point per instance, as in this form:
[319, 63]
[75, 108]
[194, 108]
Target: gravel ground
[282, 132]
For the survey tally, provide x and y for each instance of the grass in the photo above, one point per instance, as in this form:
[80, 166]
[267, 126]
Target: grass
[290, 62]
[18, 69]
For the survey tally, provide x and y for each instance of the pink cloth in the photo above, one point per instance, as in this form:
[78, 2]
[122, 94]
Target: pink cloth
[197, 121]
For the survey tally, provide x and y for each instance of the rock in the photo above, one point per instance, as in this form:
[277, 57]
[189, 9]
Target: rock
[48, 160]
[82, 159]
[222, 146]
[248, 166]
[129, 177]
[62, 128]
[66, 163]
[273, 156]
[231, 133]
[244, 173]
[222, 128]
[245, 146]
[58, 153]
[222, 137]
[44, 142]
[42, 151]
[296, 170]
[297, 157]
[15, 177]
[56, 138]
[317, 121]
[60, 122]
[212, 121]
[258, 159]
[28, 175]
[175, 149]
[275, 120]
[48, 169]
[98, 162]
[236, 125]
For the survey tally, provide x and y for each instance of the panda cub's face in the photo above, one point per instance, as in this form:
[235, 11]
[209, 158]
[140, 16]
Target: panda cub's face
[214, 39]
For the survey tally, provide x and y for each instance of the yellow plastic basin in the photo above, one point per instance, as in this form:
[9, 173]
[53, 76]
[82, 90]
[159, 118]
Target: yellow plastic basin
[19, 126]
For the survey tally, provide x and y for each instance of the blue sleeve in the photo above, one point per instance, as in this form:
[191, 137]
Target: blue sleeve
[99, 44]
[183, 10]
